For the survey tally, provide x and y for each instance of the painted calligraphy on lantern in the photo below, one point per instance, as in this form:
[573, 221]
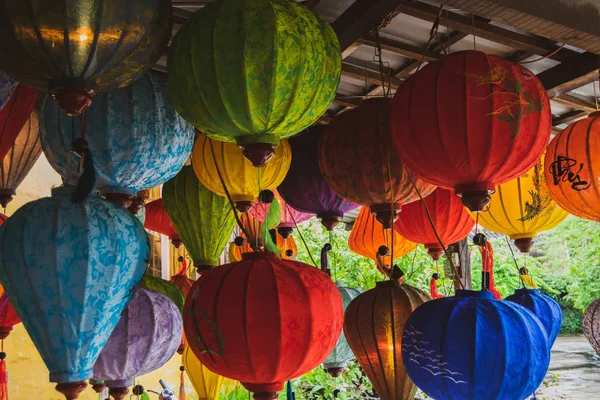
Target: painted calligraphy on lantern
[565, 169]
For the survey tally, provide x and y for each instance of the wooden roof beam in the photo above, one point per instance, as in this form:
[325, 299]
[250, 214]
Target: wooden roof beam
[570, 75]
[576, 102]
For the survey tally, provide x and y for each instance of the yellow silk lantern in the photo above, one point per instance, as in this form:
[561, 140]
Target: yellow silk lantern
[206, 383]
[368, 235]
[521, 208]
[212, 158]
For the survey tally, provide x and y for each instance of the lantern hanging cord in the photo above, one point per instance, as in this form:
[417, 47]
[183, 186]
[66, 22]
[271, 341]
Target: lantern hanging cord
[256, 224]
[544, 57]
[437, 236]
[389, 169]
[378, 56]
[231, 203]
[432, 33]
[301, 236]
[514, 260]
[333, 246]
[595, 96]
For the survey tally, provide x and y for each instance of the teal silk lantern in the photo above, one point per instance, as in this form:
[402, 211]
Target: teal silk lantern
[254, 72]
[136, 138]
[69, 270]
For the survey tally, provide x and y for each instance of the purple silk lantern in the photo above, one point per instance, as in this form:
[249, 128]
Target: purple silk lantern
[304, 187]
[146, 337]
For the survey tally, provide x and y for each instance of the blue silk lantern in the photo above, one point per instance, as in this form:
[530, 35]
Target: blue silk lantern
[471, 346]
[70, 269]
[544, 307]
[335, 363]
[137, 139]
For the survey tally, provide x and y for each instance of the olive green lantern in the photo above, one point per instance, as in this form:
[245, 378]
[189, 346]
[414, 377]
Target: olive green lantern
[204, 220]
[254, 72]
[76, 48]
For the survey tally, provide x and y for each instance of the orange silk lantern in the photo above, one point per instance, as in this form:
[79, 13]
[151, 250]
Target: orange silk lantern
[451, 219]
[471, 121]
[158, 220]
[358, 161]
[368, 236]
[571, 168]
[289, 249]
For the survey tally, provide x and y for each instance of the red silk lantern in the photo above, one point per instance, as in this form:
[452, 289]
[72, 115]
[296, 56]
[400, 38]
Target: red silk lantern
[358, 161]
[451, 219]
[263, 321]
[8, 317]
[471, 121]
[158, 220]
[14, 115]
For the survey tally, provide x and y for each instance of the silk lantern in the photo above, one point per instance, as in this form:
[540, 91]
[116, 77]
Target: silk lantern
[342, 354]
[570, 168]
[67, 270]
[214, 160]
[542, 306]
[591, 325]
[235, 86]
[367, 237]
[203, 219]
[164, 287]
[184, 284]
[373, 325]
[263, 321]
[8, 317]
[145, 338]
[521, 208]
[206, 383]
[359, 163]
[76, 49]
[158, 220]
[289, 216]
[289, 249]
[7, 86]
[305, 188]
[471, 346]
[14, 115]
[471, 121]
[132, 149]
[450, 218]
[19, 160]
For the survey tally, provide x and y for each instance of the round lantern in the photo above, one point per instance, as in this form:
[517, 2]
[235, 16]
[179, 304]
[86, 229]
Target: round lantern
[132, 149]
[471, 121]
[368, 236]
[236, 85]
[14, 115]
[257, 320]
[67, 270]
[337, 360]
[206, 383]
[8, 317]
[544, 307]
[203, 219]
[75, 50]
[591, 325]
[304, 187]
[145, 338]
[213, 160]
[373, 325]
[158, 220]
[521, 208]
[289, 216]
[471, 346]
[185, 285]
[19, 160]
[452, 221]
[358, 162]
[7, 86]
[570, 168]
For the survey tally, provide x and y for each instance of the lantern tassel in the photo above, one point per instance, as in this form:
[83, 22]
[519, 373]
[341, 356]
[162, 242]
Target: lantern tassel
[433, 289]
[325, 259]
[487, 270]
[3, 376]
[182, 384]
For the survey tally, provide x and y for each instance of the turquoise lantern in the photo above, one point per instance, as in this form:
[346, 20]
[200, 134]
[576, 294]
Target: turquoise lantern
[70, 269]
[136, 138]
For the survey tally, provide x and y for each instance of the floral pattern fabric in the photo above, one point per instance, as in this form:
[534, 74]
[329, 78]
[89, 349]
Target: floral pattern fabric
[70, 270]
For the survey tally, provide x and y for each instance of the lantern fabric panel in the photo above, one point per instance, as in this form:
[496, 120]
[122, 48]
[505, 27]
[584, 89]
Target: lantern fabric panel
[240, 176]
[203, 219]
[542, 306]
[7, 86]
[72, 275]
[591, 325]
[244, 319]
[19, 160]
[206, 383]
[471, 346]
[471, 121]
[571, 171]
[158, 220]
[14, 115]
[236, 85]
[8, 316]
[136, 138]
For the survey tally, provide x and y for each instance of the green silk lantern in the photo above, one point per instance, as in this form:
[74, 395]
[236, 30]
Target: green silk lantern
[204, 220]
[164, 287]
[254, 72]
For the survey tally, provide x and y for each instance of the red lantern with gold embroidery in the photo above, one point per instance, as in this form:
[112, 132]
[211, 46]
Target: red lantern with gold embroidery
[471, 121]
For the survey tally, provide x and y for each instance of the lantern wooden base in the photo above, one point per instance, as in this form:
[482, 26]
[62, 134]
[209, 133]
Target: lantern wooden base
[71, 390]
[335, 372]
[176, 242]
[476, 200]
[387, 218]
[266, 396]
[435, 253]
[5, 197]
[258, 153]
[98, 387]
[243, 206]
[120, 199]
[118, 393]
[330, 222]
[285, 232]
[524, 244]
[72, 99]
